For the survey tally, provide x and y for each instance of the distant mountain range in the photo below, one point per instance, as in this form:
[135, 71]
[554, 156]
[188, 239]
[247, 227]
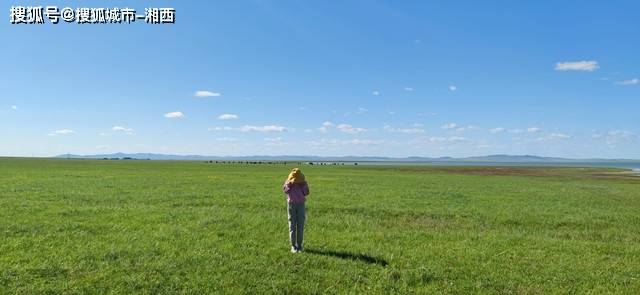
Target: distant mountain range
[479, 159]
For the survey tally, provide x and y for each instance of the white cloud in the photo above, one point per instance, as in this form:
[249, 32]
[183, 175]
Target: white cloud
[128, 131]
[204, 93]
[533, 129]
[614, 136]
[560, 135]
[228, 117]
[465, 128]
[410, 130]
[14, 107]
[497, 130]
[456, 139]
[427, 114]
[325, 127]
[588, 66]
[266, 128]
[408, 89]
[174, 115]
[415, 130]
[62, 132]
[449, 126]
[376, 92]
[226, 128]
[251, 128]
[621, 134]
[324, 143]
[363, 142]
[448, 140]
[346, 128]
[452, 88]
[361, 110]
[635, 81]
[227, 139]
[554, 137]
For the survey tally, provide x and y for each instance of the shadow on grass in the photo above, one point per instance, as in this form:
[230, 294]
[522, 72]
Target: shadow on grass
[349, 256]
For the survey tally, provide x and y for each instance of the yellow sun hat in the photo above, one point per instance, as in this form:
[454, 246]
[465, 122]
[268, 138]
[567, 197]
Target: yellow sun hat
[296, 176]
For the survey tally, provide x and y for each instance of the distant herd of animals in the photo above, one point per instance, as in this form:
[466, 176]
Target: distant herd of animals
[256, 162]
[280, 163]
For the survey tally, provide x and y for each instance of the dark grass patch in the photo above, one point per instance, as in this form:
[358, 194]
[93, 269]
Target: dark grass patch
[49, 272]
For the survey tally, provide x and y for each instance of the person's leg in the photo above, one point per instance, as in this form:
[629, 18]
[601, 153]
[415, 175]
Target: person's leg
[300, 225]
[291, 210]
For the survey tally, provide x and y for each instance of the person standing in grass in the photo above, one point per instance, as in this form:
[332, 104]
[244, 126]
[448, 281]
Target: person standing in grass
[296, 189]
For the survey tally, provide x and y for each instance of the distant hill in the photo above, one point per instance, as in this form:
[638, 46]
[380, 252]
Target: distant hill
[478, 159]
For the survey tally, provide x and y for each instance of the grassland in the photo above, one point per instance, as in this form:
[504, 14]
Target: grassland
[80, 226]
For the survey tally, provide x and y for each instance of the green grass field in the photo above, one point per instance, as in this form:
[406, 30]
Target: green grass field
[154, 227]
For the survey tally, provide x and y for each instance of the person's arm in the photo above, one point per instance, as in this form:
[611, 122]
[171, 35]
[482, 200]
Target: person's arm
[286, 187]
[305, 189]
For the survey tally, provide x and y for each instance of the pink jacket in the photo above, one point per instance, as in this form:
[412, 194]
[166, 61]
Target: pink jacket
[296, 192]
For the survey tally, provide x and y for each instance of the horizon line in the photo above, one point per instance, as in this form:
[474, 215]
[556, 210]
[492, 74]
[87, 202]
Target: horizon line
[293, 157]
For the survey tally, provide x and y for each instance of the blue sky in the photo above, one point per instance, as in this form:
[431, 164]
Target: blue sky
[383, 78]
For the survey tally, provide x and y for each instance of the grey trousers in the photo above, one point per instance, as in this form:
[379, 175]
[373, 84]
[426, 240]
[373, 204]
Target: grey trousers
[296, 224]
